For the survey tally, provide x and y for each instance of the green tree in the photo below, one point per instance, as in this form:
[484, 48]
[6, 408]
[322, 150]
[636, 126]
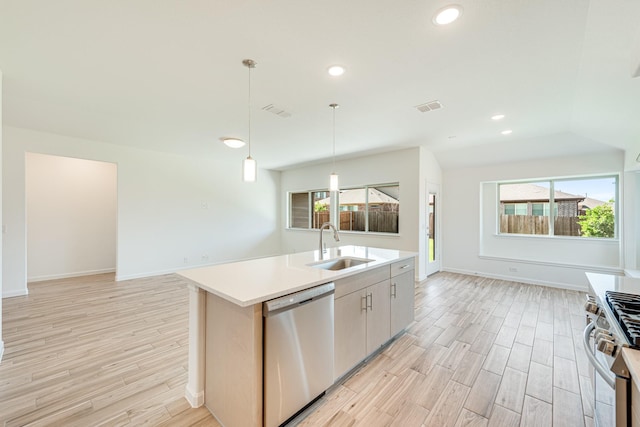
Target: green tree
[319, 207]
[598, 221]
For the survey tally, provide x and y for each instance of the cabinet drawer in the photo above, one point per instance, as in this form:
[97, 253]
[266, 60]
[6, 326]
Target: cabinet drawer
[360, 281]
[402, 266]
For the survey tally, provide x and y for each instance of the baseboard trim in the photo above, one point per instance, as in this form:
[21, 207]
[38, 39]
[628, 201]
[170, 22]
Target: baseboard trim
[18, 293]
[69, 275]
[196, 400]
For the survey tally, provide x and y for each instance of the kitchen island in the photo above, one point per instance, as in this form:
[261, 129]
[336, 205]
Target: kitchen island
[226, 325]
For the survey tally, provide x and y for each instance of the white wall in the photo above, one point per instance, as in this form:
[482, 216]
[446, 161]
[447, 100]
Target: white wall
[170, 207]
[632, 222]
[1, 222]
[71, 216]
[470, 244]
[630, 160]
[402, 166]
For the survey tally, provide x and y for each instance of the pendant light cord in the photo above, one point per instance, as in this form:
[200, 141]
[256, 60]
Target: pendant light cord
[249, 103]
[334, 136]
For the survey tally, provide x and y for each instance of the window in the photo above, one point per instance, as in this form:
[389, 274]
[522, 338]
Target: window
[321, 208]
[539, 209]
[309, 209]
[300, 208]
[515, 208]
[374, 209]
[582, 207]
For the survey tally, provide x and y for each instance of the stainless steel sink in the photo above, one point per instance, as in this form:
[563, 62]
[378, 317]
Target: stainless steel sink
[339, 263]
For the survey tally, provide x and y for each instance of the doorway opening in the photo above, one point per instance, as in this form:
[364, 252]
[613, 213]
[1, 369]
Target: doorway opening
[433, 229]
[71, 217]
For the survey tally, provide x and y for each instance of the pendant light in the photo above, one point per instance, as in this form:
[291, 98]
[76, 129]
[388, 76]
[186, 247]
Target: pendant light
[333, 178]
[249, 165]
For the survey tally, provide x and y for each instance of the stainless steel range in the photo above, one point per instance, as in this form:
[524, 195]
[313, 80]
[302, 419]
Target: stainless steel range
[613, 322]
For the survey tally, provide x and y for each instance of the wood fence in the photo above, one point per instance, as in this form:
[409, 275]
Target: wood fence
[379, 222]
[536, 224]
[320, 218]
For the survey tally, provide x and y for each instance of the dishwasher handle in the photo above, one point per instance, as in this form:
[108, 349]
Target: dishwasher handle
[291, 301]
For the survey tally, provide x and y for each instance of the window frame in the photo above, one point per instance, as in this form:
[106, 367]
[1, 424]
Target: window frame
[311, 204]
[310, 208]
[552, 214]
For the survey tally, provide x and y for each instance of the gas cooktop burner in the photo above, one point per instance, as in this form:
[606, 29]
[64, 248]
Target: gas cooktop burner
[626, 310]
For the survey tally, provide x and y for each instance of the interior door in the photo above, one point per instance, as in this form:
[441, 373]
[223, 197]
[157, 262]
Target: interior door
[433, 236]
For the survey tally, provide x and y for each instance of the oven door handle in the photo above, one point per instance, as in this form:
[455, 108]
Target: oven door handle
[604, 372]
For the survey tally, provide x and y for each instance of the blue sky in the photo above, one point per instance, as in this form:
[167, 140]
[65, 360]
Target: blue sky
[597, 188]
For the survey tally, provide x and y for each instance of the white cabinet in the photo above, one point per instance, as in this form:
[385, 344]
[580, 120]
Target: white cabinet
[361, 313]
[361, 325]
[350, 332]
[377, 303]
[370, 308]
[402, 301]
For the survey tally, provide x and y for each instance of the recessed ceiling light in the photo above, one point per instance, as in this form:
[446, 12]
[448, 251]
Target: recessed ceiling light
[233, 142]
[506, 131]
[447, 14]
[336, 70]
[497, 117]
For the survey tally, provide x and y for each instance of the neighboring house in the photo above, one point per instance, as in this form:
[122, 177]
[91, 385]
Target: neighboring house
[531, 199]
[589, 203]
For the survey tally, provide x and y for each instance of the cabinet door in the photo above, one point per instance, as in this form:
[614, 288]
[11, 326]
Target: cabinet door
[350, 330]
[402, 301]
[378, 312]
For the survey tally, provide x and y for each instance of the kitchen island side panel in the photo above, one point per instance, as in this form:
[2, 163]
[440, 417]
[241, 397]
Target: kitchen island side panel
[233, 367]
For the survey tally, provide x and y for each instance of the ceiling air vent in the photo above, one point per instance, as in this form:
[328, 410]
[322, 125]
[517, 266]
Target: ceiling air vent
[429, 106]
[277, 111]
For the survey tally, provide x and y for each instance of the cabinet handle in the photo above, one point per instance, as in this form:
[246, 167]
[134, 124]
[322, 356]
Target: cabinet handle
[405, 266]
[364, 306]
[370, 304]
[394, 290]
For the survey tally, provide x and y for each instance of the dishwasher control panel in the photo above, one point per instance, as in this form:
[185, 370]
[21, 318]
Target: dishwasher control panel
[276, 305]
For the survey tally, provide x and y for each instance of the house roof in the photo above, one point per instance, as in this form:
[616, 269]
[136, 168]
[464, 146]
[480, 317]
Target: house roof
[357, 197]
[532, 192]
[589, 203]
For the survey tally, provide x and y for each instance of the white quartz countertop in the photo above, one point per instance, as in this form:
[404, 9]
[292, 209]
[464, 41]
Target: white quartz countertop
[254, 281]
[600, 283]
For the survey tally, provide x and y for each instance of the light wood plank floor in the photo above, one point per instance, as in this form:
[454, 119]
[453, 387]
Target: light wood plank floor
[89, 352]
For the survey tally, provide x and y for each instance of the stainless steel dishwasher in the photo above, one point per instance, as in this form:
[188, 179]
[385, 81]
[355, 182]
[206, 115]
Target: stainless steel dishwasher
[298, 351]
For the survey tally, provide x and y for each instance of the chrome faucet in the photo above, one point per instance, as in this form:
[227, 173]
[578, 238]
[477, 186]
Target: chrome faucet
[336, 236]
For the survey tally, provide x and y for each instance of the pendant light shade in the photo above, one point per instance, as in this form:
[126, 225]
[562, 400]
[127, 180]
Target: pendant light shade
[249, 165]
[333, 178]
[249, 170]
[333, 182]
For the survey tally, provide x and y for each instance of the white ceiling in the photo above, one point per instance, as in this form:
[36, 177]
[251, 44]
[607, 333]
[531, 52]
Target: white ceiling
[167, 75]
